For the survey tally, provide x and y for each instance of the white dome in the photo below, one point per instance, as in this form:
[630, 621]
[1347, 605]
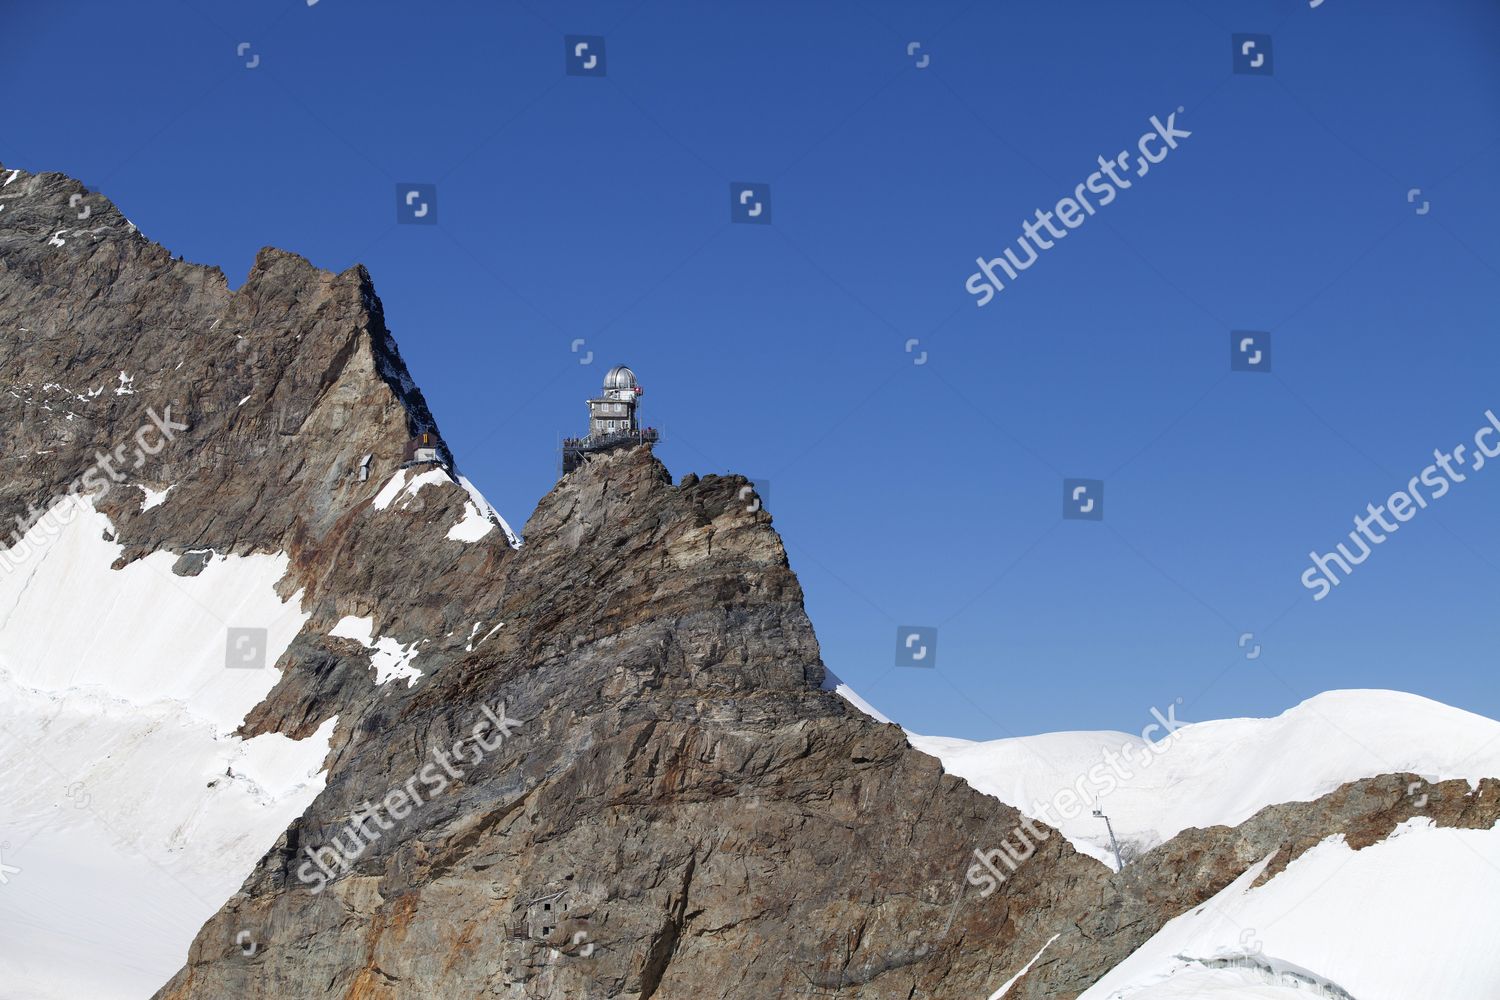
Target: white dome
[620, 377]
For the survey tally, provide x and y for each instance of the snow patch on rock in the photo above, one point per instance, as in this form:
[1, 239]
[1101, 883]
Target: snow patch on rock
[479, 516]
[154, 498]
[390, 659]
[390, 491]
[832, 683]
[1005, 986]
[478, 510]
[472, 528]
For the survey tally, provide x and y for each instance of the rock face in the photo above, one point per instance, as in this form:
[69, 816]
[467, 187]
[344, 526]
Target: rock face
[618, 775]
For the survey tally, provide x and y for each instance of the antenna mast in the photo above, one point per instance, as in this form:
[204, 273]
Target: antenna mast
[1119, 863]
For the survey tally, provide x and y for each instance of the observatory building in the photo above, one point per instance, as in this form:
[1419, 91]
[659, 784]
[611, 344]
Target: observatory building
[612, 420]
[424, 449]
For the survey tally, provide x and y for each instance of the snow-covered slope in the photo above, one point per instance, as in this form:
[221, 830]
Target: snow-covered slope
[1414, 915]
[480, 517]
[1221, 772]
[479, 513]
[130, 812]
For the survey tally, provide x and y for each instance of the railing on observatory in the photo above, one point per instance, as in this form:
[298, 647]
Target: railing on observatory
[640, 436]
[573, 449]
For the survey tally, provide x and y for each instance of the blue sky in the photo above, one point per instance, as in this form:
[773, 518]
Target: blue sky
[598, 208]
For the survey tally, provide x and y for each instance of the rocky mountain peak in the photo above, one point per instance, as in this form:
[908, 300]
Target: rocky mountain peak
[599, 764]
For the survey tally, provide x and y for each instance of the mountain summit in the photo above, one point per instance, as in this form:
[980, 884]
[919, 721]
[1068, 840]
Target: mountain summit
[294, 713]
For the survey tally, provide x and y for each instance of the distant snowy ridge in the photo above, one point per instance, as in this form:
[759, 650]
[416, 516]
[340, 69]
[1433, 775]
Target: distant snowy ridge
[1224, 772]
[1413, 915]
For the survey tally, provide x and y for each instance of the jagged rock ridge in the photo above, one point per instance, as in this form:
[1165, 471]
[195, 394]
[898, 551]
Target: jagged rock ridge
[713, 821]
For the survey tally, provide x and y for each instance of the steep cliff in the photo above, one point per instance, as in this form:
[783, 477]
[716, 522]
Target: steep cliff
[599, 764]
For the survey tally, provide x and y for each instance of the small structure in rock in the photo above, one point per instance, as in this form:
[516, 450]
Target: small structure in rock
[543, 915]
[612, 420]
[424, 449]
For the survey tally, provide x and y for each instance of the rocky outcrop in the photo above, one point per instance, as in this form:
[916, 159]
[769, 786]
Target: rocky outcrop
[1196, 864]
[708, 814]
[618, 775]
[272, 394]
